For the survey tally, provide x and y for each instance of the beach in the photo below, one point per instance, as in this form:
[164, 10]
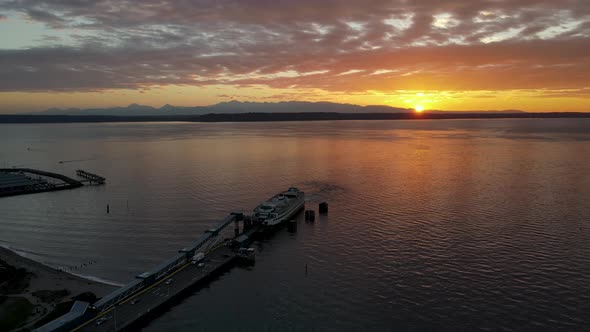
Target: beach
[31, 290]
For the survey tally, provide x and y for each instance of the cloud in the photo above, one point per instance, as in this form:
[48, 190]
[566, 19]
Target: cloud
[336, 46]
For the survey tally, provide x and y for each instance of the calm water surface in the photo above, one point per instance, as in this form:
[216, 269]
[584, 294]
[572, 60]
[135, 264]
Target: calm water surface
[433, 225]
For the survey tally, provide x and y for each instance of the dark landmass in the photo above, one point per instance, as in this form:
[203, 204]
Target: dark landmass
[14, 312]
[259, 117]
[231, 107]
[32, 294]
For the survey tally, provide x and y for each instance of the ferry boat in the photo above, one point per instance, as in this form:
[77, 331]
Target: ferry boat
[280, 207]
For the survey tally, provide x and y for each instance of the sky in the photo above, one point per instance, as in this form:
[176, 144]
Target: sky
[532, 55]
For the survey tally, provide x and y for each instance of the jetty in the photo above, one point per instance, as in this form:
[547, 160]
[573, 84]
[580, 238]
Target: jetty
[90, 177]
[20, 181]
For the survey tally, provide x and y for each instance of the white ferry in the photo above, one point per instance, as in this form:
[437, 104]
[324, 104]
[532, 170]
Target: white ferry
[280, 207]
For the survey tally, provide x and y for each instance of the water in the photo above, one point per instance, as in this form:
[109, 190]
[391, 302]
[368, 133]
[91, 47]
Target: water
[457, 225]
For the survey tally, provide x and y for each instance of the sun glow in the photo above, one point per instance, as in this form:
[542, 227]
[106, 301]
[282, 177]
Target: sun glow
[419, 108]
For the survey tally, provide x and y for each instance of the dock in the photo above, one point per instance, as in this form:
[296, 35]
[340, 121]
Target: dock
[90, 177]
[143, 298]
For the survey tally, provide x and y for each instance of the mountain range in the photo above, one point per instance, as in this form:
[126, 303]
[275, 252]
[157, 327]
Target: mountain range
[237, 107]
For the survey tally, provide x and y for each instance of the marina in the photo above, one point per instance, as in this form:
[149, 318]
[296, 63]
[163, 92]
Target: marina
[22, 181]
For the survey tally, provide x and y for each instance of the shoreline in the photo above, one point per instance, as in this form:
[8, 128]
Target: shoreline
[7, 250]
[42, 286]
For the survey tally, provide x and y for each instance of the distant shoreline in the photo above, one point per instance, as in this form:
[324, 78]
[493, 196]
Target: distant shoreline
[266, 117]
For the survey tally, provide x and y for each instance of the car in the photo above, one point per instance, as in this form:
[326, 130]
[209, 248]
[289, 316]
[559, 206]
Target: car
[134, 301]
[101, 320]
[200, 264]
[169, 281]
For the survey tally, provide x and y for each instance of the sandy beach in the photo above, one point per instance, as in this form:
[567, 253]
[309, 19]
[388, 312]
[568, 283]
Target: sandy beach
[43, 278]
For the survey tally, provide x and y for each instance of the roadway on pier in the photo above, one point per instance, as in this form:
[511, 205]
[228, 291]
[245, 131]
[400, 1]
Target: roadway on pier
[125, 313]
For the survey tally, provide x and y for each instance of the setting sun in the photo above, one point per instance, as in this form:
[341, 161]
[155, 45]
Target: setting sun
[419, 109]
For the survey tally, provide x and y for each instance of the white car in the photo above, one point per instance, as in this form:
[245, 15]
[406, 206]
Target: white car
[169, 281]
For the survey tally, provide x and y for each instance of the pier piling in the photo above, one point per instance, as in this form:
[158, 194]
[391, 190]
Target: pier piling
[90, 177]
[292, 226]
[323, 208]
[237, 228]
[310, 215]
[247, 223]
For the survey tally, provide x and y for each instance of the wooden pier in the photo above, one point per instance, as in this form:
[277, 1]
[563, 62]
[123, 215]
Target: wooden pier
[91, 178]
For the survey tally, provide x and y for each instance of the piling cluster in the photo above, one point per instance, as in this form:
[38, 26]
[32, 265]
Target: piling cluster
[310, 214]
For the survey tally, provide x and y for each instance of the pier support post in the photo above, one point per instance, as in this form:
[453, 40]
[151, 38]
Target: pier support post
[247, 223]
[292, 226]
[323, 208]
[310, 215]
[108, 209]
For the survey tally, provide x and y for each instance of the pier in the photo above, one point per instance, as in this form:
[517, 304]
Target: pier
[90, 177]
[20, 181]
[150, 292]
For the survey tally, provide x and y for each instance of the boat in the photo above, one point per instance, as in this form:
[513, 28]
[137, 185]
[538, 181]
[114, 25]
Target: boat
[280, 207]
